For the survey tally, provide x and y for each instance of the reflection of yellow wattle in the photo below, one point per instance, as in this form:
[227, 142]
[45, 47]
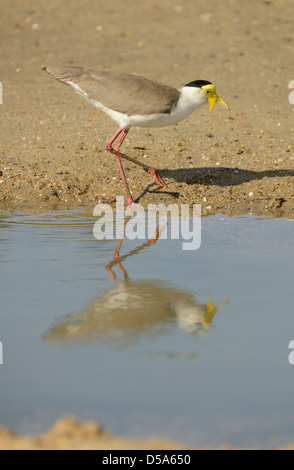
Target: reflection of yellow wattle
[211, 311]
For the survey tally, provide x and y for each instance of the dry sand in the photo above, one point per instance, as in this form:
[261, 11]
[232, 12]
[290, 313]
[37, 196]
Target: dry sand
[52, 142]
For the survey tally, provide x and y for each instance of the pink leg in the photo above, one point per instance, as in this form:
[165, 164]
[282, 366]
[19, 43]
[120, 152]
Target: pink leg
[115, 152]
[118, 155]
[116, 148]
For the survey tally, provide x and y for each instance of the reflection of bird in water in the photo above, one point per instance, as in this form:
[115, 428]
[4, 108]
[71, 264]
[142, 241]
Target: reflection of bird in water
[133, 309]
[194, 317]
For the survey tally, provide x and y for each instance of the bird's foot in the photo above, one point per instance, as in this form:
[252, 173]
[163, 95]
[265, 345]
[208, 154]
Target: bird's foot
[157, 177]
[130, 200]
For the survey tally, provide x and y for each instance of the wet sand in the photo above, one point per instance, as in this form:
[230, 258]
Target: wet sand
[71, 434]
[52, 142]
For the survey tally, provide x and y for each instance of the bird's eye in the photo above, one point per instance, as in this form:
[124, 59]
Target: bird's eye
[207, 92]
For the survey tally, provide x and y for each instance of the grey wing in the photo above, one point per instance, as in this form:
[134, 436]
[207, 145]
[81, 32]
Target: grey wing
[127, 93]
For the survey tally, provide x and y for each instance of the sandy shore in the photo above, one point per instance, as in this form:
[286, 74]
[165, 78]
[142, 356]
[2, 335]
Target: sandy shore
[70, 434]
[52, 142]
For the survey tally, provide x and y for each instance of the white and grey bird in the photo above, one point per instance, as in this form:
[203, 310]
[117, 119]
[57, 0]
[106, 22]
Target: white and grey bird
[135, 101]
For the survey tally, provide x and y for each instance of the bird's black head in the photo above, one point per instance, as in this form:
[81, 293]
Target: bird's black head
[198, 83]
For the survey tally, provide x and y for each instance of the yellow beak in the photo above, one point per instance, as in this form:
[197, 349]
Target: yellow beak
[214, 98]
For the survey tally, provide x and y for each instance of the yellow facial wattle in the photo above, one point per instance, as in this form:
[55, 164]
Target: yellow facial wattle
[212, 97]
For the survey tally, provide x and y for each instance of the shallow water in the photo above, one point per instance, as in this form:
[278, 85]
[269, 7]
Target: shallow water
[191, 345]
